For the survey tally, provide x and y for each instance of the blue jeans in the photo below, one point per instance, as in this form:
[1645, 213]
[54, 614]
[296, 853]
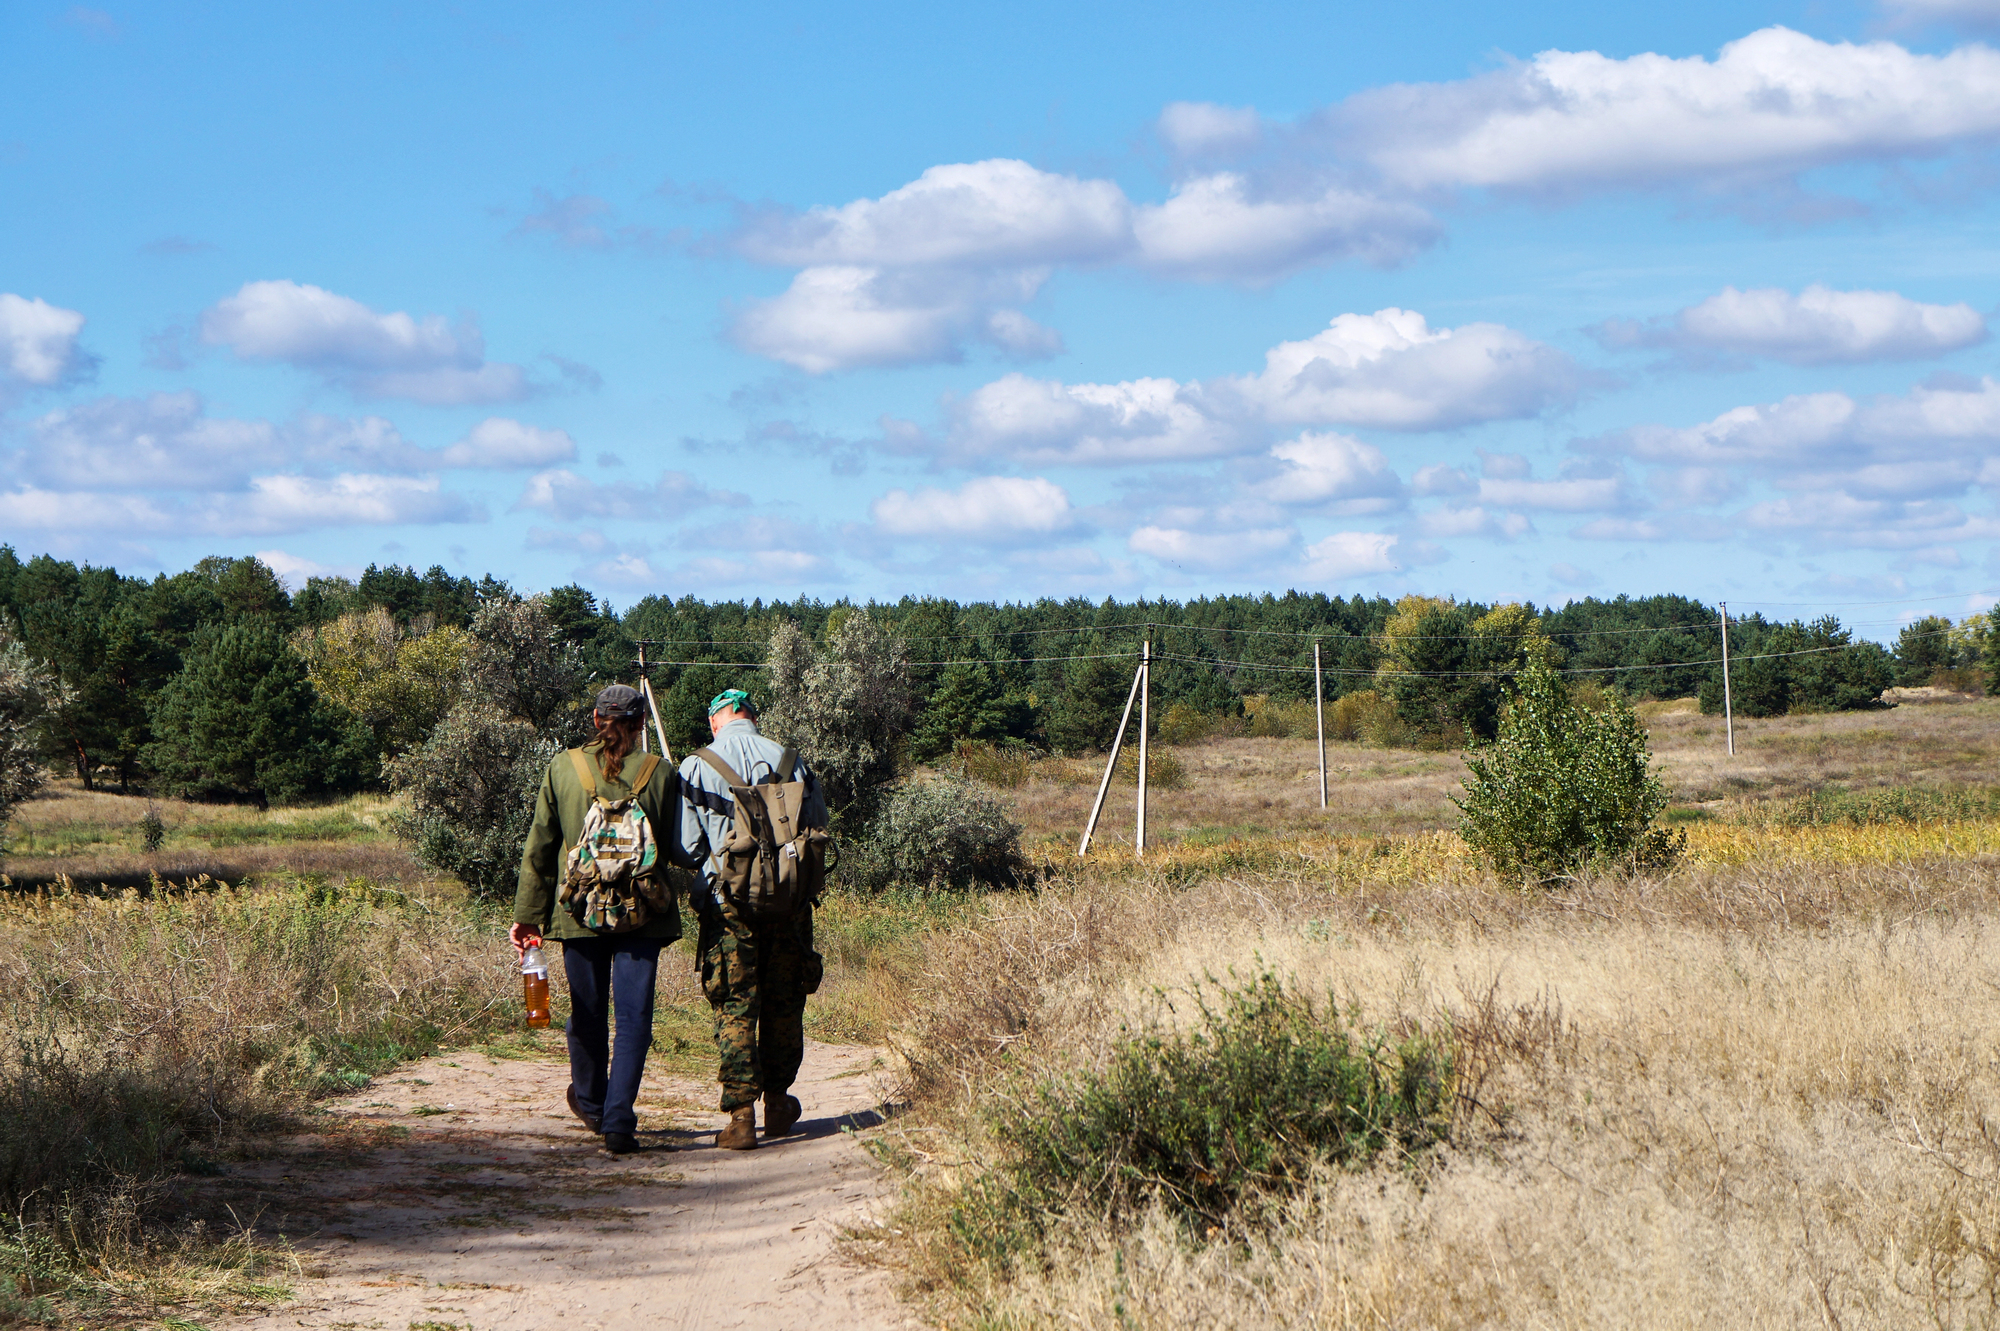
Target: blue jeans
[610, 974]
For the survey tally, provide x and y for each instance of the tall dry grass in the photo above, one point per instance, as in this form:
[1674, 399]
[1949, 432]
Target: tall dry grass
[1746, 1094]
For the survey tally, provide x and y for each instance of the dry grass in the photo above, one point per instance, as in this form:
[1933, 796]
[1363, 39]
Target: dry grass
[97, 837]
[1251, 787]
[1746, 1095]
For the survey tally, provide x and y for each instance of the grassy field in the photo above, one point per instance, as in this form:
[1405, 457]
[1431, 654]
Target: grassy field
[1755, 1091]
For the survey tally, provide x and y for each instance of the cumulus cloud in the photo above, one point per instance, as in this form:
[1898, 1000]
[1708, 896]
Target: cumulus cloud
[998, 212]
[167, 441]
[1770, 105]
[1199, 129]
[988, 510]
[843, 317]
[1332, 469]
[1212, 551]
[1392, 370]
[293, 570]
[1041, 420]
[918, 274]
[1221, 227]
[372, 355]
[38, 346]
[1818, 326]
[1388, 370]
[271, 506]
[1882, 473]
[1351, 554]
[500, 442]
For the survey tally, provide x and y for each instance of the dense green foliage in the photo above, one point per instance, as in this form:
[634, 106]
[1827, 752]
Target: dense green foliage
[1564, 786]
[1048, 673]
[1232, 1113]
[943, 833]
[241, 721]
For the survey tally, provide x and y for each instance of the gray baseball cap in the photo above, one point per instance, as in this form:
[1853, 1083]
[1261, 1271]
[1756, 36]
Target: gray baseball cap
[621, 701]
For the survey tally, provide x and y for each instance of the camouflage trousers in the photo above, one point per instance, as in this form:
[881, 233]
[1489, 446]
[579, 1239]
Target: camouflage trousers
[757, 977]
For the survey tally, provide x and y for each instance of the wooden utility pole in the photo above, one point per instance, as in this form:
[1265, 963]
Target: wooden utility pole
[1103, 786]
[1319, 714]
[653, 706]
[1728, 708]
[1145, 700]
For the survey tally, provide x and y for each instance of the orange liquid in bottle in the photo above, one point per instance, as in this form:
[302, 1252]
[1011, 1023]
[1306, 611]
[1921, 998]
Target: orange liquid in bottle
[535, 995]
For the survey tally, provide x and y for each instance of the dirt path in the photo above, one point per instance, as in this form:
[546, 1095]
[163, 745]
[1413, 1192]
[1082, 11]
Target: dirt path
[461, 1193]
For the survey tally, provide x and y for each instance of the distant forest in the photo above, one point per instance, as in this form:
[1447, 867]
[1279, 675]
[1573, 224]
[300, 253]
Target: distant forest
[118, 652]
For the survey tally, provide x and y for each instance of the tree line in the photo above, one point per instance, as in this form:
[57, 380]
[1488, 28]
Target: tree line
[216, 682]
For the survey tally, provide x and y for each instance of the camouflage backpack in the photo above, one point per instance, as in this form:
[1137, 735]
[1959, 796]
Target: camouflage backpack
[609, 878]
[772, 867]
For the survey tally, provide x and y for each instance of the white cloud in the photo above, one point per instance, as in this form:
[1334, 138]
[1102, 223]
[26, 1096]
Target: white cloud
[1218, 227]
[999, 212]
[294, 570]
[1391, 370]
[843, 317]
[1212, 551]
[994, 509]
[373, 355]
[38, 342]
[1041, 420]
[1572, 495]
[1439, 479]
[1351, 554]
[499, 442]
[300, 503]
[1819, 326]
[166, 441]
[1473, 521]
[1198, 129]
[1771, 105]
[562, 493]
[1332, 469]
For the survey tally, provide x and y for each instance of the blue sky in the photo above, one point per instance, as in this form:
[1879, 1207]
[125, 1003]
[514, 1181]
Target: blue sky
[1503, 302]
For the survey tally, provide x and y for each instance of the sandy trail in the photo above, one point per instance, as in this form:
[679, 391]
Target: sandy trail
[461, 1193]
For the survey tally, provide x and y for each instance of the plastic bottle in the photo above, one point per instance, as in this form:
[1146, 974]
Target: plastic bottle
[535, 986]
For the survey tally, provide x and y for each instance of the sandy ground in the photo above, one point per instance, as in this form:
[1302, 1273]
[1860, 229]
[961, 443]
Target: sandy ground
[462, 1194]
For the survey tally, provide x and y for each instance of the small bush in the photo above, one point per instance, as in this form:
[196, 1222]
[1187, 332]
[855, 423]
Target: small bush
[996, 765]
[1187, 725]
[1563, 787]
[944, 833]
[1164, 769]
[1207, 1123]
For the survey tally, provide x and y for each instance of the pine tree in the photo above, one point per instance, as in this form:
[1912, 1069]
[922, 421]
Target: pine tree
[241, 721]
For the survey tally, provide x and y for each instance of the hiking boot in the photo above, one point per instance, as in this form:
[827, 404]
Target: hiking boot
[589, 1120]
[621, 1143]
[781, 1111]
[741, 1134]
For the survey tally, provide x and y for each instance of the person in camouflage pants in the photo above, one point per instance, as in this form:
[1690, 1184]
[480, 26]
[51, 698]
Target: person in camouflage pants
[756, 974]
[757, 979]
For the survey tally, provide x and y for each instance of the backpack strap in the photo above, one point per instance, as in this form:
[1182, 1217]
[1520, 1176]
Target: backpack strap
[714, 759]
[646, 770]
[585, 772]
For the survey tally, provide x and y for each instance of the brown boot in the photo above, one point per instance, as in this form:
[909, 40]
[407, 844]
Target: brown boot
[741, 1134]
[781, 1111]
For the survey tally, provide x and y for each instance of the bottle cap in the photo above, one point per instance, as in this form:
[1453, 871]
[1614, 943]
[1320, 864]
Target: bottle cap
[531, 960]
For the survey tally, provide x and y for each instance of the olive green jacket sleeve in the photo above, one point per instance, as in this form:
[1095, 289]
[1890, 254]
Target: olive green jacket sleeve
[560, 804]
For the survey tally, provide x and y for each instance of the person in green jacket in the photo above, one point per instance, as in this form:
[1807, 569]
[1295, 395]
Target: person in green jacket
[607, 973]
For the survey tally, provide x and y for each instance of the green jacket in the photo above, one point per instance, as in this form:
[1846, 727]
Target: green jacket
[559, 810]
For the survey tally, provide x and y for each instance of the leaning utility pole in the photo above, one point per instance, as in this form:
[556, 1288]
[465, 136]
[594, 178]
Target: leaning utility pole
[1145, 699]
[1090, 828]
[1728, 709]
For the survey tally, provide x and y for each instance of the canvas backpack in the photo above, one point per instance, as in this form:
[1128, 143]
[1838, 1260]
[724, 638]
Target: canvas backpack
[772, 866]
[610, 883]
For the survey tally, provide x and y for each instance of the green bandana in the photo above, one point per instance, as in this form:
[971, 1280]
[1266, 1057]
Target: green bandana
[732, 698]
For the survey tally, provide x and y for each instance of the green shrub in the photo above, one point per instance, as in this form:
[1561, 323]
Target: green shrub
[945, 833]
[996, 765]
[1208, 1122]
[1563, 786]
